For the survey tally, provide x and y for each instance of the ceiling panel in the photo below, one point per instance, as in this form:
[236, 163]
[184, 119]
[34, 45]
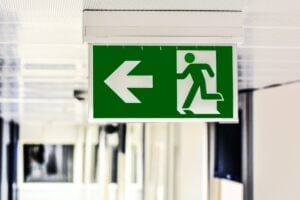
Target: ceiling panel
[270, 52]
[45, 34]
[44, 11]
[70, 11]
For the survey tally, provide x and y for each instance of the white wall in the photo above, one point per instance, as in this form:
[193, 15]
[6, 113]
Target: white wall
[156, 161]
[192, 162]
[51, 134]
[226, 190]
[176, 161]
[277, 143]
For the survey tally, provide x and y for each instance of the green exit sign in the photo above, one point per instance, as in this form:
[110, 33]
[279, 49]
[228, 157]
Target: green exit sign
[169, 83]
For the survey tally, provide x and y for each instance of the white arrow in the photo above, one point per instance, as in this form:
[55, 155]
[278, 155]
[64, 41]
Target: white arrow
[119, 81]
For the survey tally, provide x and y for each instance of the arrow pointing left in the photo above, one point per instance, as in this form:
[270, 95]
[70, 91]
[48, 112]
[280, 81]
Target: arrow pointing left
[120, 81]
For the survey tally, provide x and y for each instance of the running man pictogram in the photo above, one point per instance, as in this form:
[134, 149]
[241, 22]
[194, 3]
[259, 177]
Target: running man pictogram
[196, 70]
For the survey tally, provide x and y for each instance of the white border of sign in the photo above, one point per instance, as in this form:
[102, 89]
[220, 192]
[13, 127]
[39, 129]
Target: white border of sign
[91, 119]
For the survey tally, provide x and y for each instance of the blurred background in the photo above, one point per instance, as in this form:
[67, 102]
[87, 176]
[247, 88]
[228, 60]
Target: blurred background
[48, 150]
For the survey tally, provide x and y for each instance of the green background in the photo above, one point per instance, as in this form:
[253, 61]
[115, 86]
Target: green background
[160, 62]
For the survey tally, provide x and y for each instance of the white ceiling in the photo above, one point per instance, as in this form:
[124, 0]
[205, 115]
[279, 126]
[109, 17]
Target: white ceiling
[47, 35]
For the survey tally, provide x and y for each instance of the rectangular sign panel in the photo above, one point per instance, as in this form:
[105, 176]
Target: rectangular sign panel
[146, 83]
